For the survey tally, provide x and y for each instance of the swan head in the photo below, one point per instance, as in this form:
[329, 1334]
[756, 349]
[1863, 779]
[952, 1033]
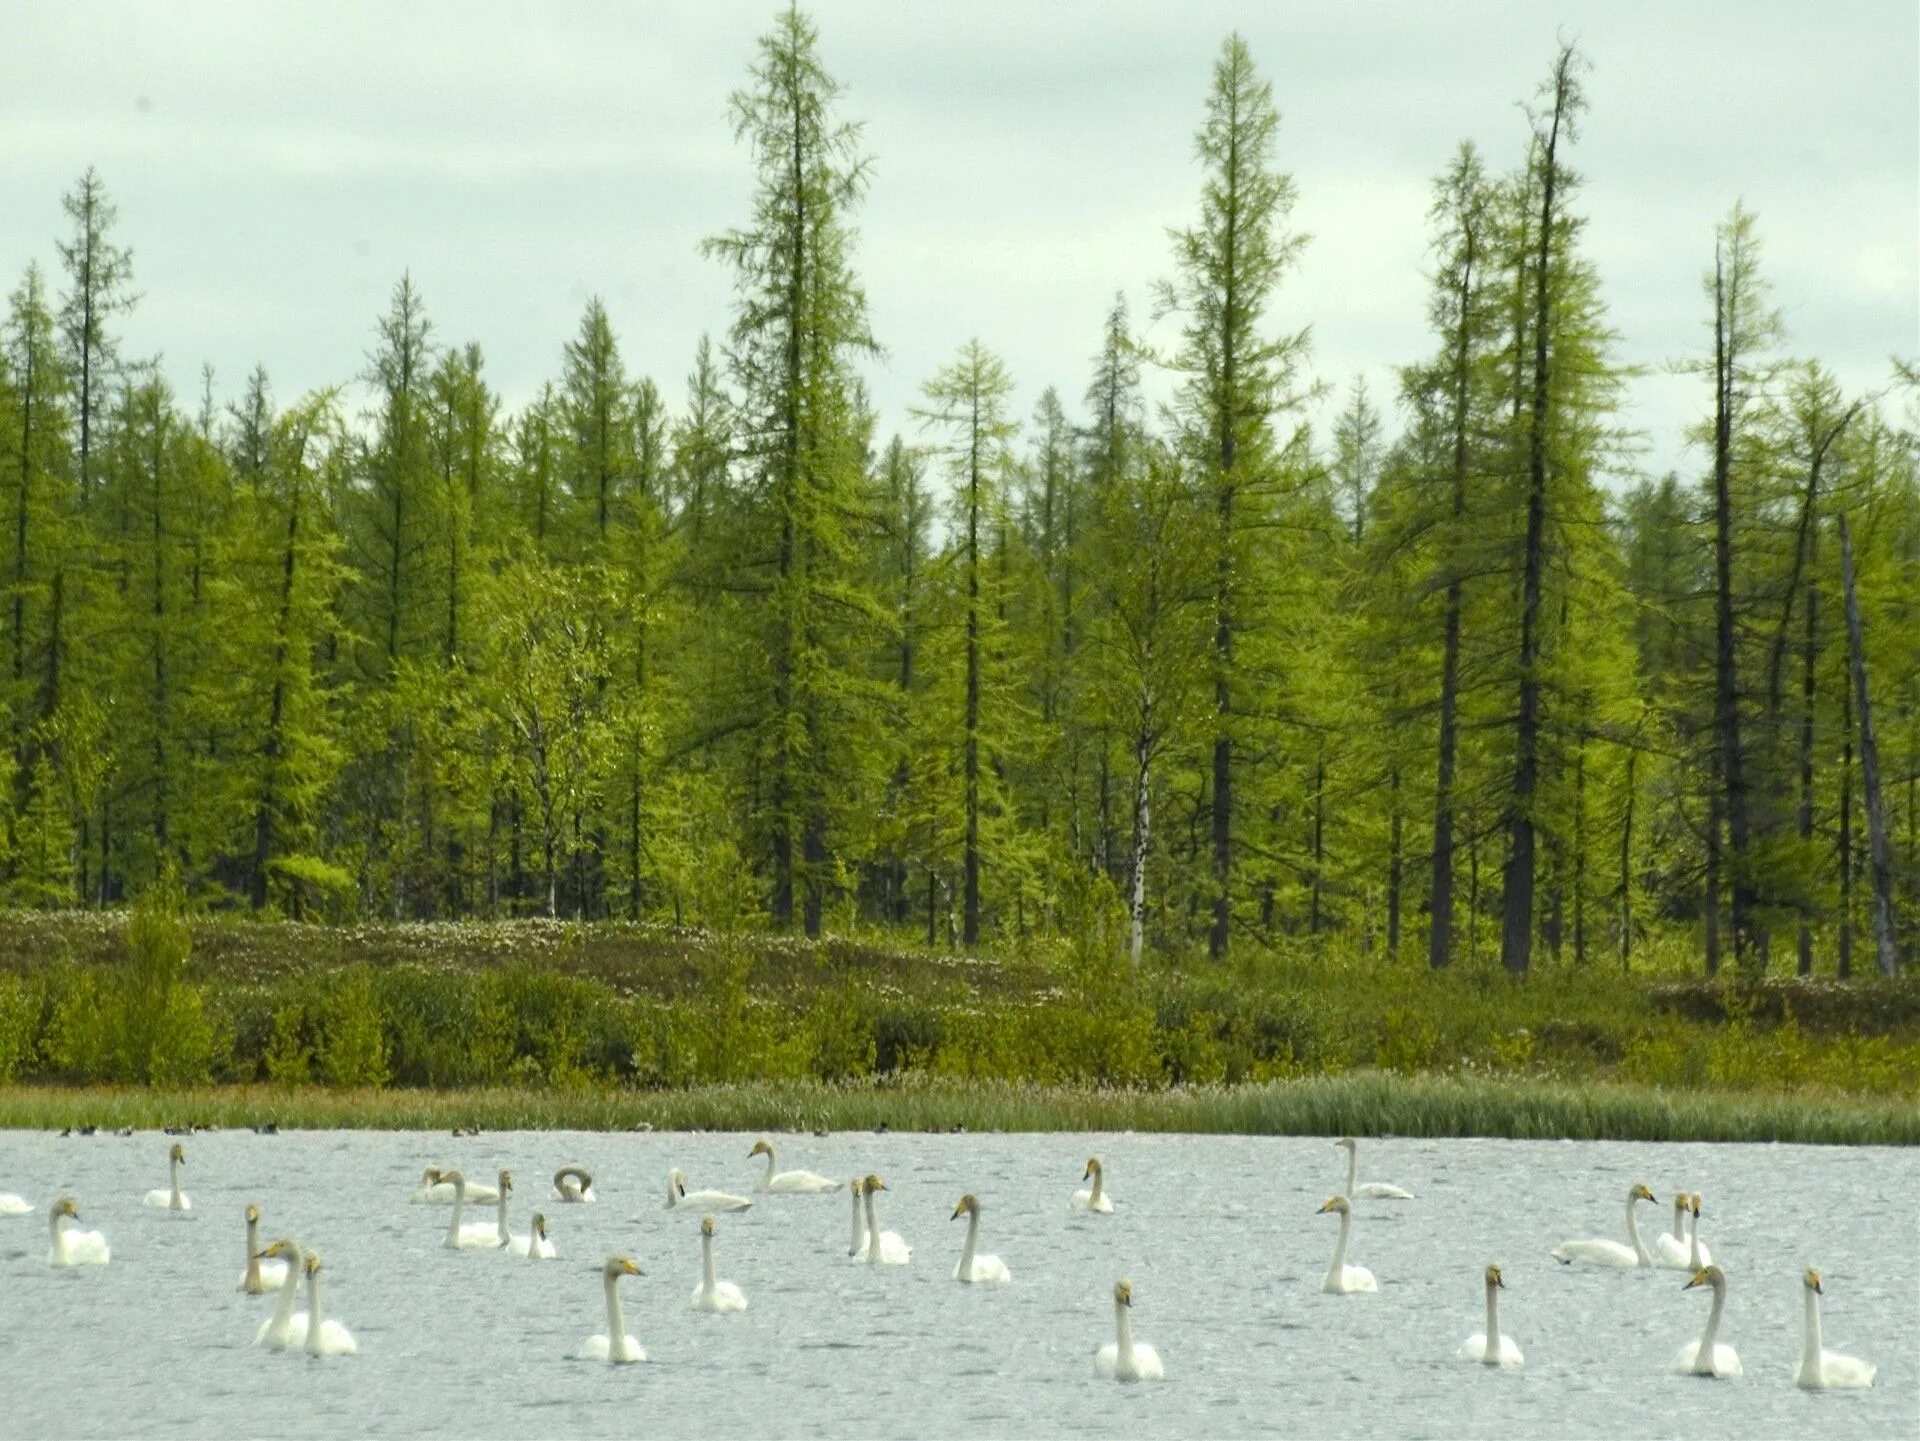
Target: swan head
[1641, 1193]
[1694, 1204]
[706, 1226]
[1123, 1291]
[1493, 1278]
[64, 1207]
[453, 1178]
[431, 1176]
[873, 1183]
[620, 1266]
[1093, 1168]
[1812, 1281]
[760, 1148]
[969, 1204]
[253, 1214]
[1345, 1143]
[506, 1182]
[178, 1154]
[1707, 1276]
[311, 1264]
[286, 1246]
[1336, 1203]
[539, 1226]
[677, 1182]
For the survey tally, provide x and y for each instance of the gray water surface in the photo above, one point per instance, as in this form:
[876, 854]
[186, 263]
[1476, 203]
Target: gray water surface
[1219, 1236]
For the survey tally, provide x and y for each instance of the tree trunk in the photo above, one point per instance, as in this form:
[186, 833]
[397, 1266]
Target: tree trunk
[1879, 846]
[1395, 869]
[1626, 869]
[1142, 835]
[1845, 967]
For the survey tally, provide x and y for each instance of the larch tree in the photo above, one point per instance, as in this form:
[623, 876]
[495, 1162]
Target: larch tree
[100, 280]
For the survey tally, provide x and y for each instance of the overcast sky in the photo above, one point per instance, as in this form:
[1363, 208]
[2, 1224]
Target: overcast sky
[277, 167]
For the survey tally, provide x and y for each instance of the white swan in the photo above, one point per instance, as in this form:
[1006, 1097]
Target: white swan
[1372, 1190]
[534, 1245]
[285, 1328]
[476, 1235]
[1492, 1347]
[1123, 1358]
[324, 1337]
[883, 1248]
[1820, 1369]
[678, 1196]
[1611, 1253]
[977, 1269]
[573, 1183]
[259, 1278]
[14, 1205]
[1670, 1248]
[71, 1247]
[1095, 1197]
[436, 1190]
[711, 1294]
[615, 1346]
[804, 1183]
[172, 1198]
[1342, 1279]
[1707, 1356]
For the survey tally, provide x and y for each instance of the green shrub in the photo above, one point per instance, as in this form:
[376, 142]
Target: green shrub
[352, 1049]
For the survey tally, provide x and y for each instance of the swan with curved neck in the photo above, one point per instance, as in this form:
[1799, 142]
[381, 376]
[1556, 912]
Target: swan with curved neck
[1123, 1358]
[73, 1247]
[285, 1328]
[573, 1184]
[534, 1245]
[1491, 1347]
[678, 1196]
[1821, 1369]
[713, 1294]
[258, 1278]
[1094, 1198]
[974, 1268]
[1611, 1253]
[324, 1337]
[883, 1248]
[172, 1198]
[1709, 1356]
[436, 1190]
[798, 1183]
[1342, 1279]
[1372, 1190]
[476, 1235]
[615, 1347]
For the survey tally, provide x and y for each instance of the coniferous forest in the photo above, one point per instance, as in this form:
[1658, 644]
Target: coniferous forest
[1449, 679]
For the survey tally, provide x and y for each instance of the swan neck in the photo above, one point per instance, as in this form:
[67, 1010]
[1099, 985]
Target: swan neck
[253, 1255]
[59, 1235]
[706, 1260]
[973, 1237]
[1122, 1330]
[173, 1181]
[1353, 1170]
[1340, 1246]
[1693, 1244]
[502, 1227]
[453, 1221]
[1680, 1222]
[616, 1320]
[1099, 1182]
[1633, 1235]
[1810, 1353]
[289, 1288]
[316, 1316]
[1493, 1319]
[766, 1182]
[1705, 1358]
[859, 1236]
[873, 1232]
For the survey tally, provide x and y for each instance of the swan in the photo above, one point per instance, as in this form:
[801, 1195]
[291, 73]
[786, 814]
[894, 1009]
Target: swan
[615, 1346]
[1696, 1252]
[1342, 1279]
[573, 1183]
[285, 1328]
[1820, 1369]
[534, 1245]
[1671, 1249]
[436, 1190]
[476, 1235]
[14, 1205]
[71, 1247]
[976, 1269]
[324, 1337]
[1708, 1357]
[883, 1248]
[857, 1244]
[259, 1279]
[678, 1195]
[1372, 1190]
[1124, 1359]
[1491, 1347]
[1610, 1253]
[712, 1295]
[805, 1183]
[173, 1198]
[1095, 1198]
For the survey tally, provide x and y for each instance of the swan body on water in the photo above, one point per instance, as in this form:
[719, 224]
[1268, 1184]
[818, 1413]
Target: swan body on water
[800, 1183]
[1094, 1197]
[712, 1294]
[436, 1190]
[883, 1248]
[172, 1198]
[679, 1196]
[1342, 1279]
[476, 1235]
[975, 1269]
[1492, 1347]
[73, 1247]
[1372, 1190]
[14, 1205]
[262, 1274]
[324, 1337]
[1611, 1253]
[573, 1184]
[1709, 1356]
[286, 1328]
[534, 1245]
[615, 1346]
[1123, 1358]
[1820, 1369]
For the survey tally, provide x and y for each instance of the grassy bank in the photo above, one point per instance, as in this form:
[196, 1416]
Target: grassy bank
[1365, 1103]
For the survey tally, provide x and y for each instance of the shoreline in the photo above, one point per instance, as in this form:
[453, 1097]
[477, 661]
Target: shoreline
[1360, 1103]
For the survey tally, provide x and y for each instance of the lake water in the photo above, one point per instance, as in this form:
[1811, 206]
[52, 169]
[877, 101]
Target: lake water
[1219, 1236]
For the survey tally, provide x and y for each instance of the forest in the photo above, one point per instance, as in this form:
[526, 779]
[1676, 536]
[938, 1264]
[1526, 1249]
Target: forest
[1447, 681]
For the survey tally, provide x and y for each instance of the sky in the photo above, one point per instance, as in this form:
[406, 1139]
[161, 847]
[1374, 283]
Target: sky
[278, 167]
